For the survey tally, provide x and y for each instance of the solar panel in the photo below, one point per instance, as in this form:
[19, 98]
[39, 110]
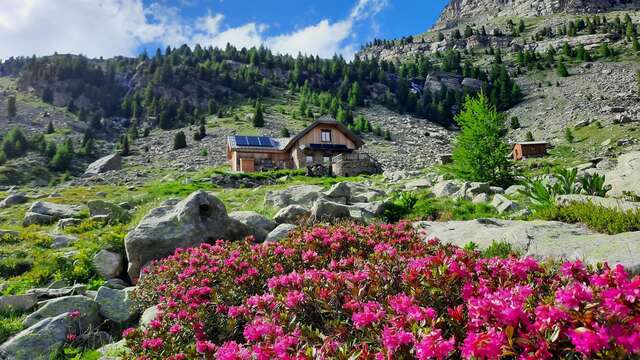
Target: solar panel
[241, 141]
[265, 141]
[255, 141]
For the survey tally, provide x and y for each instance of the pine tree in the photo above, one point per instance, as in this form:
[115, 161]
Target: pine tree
[479, 151]
[258, 117]
[179, 140]
[529, 136]
[515, 123]
[50, 129]
[47, 95]
[63, 157]
[11, 106]
[387, 135]
[124, 145]
[561, 69]
[285, 132]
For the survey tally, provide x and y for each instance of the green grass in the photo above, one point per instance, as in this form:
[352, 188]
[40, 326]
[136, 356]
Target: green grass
[597, 218]
[427, 207]
[10, 324]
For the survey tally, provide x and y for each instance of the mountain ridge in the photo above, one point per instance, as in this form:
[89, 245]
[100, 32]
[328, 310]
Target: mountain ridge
[465, 11]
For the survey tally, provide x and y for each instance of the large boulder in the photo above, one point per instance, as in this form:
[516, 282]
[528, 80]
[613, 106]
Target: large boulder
[116, 305]
[87, 307]
[39, 341]
[17, 303]
[543, 239]
[303, 195]
[609, 203]
[114, 212]
[325, 210]
[445, 188]
[199, 218]
[280, 232]
[108, 264]
[253, 219]
[625, 177]
[502, 204]
[469, 190]
[102, 165]
[44, 213]
[13, 199]
[291, 214]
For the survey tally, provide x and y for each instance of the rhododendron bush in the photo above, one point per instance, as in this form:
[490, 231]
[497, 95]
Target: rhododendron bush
[380, 292]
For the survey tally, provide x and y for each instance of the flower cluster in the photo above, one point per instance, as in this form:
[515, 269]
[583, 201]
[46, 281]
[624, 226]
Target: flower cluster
[380, 292]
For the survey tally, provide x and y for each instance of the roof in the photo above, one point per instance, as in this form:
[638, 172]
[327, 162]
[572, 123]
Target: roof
[532, 143]
[256, 143]
[327, 121]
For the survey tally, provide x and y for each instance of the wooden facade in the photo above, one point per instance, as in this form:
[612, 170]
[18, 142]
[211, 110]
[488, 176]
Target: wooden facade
[317, 144]
[530, 149]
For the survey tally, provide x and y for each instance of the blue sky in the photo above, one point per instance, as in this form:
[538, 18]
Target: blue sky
[124, 27]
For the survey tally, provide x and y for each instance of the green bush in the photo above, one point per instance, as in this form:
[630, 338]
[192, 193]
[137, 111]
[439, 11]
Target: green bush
[597, 218]
[179, 141]
[595, 185]
[499, 249]
[10, 324]
[15, 143]
[63, 157]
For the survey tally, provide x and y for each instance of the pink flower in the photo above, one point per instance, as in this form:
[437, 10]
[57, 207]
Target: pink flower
[294, 297]
[71, 337]
[175, 329]
[152, 344]
[232, 351]
[309, 255]
[485, 345]
[371, 313]
[203, 347]
[588, 341]
[394, 339]
[434, 346]
[574, 295]
[74, 314]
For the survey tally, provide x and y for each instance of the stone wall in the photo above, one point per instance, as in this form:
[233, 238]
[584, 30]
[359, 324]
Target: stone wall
[354, 164]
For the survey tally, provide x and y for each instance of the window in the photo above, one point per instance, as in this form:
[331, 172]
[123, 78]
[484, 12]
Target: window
[309, 159]
[326, 159]
[325, 136]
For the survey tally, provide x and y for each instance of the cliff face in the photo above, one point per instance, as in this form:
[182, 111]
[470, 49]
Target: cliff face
[478, 10]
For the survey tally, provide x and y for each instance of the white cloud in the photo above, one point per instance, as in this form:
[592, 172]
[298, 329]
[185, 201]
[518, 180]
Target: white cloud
[92, 27]
[120, 27]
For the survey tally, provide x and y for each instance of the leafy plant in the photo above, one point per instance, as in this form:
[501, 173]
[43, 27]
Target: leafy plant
[595, 185]
[605, 220]
[566, 182]
[540, 193]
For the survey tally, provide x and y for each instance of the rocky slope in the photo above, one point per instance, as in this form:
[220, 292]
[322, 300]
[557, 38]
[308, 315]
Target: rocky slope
[468, 11]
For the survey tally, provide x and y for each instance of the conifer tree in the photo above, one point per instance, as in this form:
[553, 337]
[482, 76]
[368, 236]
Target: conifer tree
[561, 69]
[11, 106]
[50, 129]
[479, 151]
[179, 140]
[258, 117]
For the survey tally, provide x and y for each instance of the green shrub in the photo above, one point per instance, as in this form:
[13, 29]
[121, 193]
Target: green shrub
[597, 218]
[179, 141]
[15, 143]
[14, 266]
[400, 206]
[499, 249]
[595, 185]
[10, 324]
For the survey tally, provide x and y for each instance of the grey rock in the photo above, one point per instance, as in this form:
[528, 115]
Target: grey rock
[280, 232]
[480, 198]
[118, 284]
[62, 241]
[502, 204]
[116, 305]
[339, 190]
[513, 190]
[39, 341]
[469, 190]
[418, 184]
[324, 210]
[626, 175]
[67, 222]
[148, 315]
[108, 163]
[108, 264]
[113, 211]
[542, 239]
[609, 203]
[13, 199]
[44, 213]
[291, 214]
[87, 307]
[197, 219]
[17, 302]
[253, 219]
[55, 292]
[445, 188]
[295, 195]
[95, 339]
[31, 218]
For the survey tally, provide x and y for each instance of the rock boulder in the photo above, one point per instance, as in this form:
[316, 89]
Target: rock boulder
[197, 219]
[108, 163]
